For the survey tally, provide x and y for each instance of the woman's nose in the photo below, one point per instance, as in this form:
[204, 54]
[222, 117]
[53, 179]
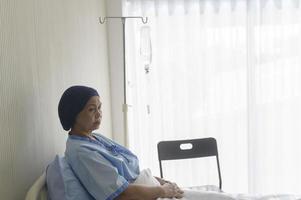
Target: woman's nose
[99, 113]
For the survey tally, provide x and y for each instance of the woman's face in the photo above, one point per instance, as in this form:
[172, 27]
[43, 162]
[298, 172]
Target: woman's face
[89, 118]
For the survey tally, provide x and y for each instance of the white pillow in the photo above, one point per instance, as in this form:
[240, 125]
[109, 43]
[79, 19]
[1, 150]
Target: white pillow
[146, 178]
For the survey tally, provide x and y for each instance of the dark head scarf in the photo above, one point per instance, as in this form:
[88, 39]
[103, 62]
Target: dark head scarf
[72, 102]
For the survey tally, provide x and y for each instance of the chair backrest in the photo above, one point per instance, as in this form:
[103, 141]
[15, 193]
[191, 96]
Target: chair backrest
[184, 149]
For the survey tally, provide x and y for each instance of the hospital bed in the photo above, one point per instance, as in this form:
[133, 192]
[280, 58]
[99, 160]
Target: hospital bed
[38, 191]
[171, 150]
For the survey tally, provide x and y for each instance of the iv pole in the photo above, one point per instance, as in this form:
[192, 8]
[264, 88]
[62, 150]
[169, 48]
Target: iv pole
[125, 105]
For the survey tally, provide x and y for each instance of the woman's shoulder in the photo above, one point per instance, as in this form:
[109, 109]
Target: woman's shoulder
[101, 136]
[106, 139]
[76, 145]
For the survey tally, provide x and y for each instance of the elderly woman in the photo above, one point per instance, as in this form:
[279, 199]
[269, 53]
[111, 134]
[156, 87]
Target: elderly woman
[106, 169]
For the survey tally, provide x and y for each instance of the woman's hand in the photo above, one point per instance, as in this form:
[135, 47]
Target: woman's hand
[172, 190]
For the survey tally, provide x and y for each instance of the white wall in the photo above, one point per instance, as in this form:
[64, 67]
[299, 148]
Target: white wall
[45, 46]
[115, 41]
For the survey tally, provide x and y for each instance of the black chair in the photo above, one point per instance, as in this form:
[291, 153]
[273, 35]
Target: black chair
[173, 150]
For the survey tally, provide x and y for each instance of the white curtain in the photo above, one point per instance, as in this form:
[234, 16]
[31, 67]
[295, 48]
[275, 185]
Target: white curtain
[228, 69]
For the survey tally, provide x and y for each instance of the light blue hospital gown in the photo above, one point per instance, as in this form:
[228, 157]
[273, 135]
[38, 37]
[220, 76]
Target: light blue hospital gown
[104, 167]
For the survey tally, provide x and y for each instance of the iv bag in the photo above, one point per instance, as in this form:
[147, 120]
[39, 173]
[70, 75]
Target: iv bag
[145, 47]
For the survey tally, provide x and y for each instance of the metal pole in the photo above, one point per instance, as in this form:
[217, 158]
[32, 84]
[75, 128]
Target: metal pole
[124, 67]
[124, 106]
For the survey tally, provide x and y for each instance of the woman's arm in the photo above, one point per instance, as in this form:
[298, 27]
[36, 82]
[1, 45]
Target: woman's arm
[143, 192]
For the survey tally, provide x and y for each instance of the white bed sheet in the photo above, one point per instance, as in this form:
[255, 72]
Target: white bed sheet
[212, 192]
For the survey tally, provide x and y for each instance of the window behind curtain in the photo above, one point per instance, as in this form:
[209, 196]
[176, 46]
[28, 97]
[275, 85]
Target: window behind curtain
[227, 69]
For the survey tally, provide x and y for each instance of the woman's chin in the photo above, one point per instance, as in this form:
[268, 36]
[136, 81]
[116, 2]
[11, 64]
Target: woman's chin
[96, 126]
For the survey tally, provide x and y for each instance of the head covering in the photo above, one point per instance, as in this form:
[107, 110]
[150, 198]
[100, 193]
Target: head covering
[72, 102]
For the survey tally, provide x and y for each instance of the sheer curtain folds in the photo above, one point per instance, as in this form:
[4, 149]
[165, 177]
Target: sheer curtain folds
[228, 69]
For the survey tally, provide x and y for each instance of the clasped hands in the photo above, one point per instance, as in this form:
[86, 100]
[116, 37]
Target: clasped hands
[171, 189]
